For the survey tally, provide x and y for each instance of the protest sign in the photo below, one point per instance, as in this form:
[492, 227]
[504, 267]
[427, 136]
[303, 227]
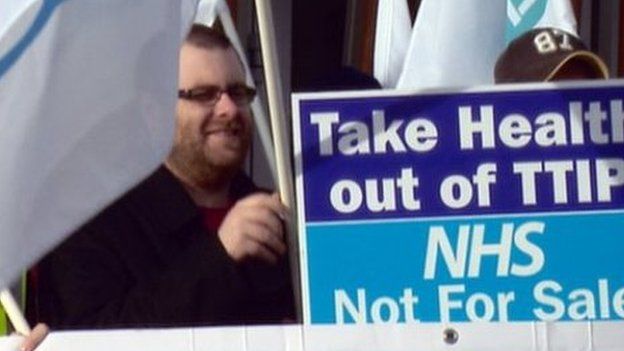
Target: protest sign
[489, 204]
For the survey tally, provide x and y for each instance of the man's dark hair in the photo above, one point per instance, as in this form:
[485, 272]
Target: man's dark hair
[207, 38]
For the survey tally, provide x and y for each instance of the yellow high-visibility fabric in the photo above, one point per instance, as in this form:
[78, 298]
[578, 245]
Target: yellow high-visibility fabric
[4, 325]
[20, 288]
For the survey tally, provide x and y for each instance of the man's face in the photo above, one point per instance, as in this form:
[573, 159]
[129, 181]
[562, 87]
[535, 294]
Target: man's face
[210, 140]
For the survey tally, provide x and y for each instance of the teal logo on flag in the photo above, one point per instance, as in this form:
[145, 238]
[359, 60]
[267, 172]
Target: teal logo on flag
[44, 14]
[523, 15]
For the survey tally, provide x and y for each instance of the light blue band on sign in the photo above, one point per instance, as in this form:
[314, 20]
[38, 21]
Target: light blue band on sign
[547, 267]
[47, 9]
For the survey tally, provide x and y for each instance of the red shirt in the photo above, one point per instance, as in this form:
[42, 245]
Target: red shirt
[213, 217]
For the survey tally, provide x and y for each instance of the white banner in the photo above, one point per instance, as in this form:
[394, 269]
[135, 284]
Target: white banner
[570, 336]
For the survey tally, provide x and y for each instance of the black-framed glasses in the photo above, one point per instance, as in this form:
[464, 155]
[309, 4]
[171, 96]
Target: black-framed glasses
[208, 95]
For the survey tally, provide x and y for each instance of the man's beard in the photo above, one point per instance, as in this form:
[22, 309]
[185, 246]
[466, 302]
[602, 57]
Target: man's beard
[197, 167]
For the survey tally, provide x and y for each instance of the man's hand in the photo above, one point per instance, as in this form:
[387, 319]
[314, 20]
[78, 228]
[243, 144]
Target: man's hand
[36, 336]
[253, 228]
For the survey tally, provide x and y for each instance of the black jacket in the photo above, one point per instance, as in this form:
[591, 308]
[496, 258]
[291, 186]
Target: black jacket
[146, 261]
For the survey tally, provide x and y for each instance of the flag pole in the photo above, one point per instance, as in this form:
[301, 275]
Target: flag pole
[277, 114]
[14, 313]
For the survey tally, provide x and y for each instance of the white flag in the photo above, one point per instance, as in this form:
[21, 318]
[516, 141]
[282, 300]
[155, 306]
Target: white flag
[454, 43]
[87, 101]
[524, 15]
[392, 35]
[209, 10]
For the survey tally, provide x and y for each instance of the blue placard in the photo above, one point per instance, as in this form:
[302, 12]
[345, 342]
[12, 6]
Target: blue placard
[493, 204]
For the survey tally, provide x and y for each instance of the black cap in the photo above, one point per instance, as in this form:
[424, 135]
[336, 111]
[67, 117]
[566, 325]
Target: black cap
[539, 54]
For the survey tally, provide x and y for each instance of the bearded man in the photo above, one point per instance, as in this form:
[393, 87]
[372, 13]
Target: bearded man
[196, 243]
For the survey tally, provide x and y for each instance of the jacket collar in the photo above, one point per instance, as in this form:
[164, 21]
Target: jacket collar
[165, 201]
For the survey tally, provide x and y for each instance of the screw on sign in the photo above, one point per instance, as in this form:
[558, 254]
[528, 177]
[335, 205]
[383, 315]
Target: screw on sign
[450, 336]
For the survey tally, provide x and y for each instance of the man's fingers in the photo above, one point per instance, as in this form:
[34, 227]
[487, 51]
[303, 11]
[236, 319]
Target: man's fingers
[269, 201]
[268, 238]
[254, 228]
[265, 217]
[36, 336]
[280, 208]
[258, 250]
